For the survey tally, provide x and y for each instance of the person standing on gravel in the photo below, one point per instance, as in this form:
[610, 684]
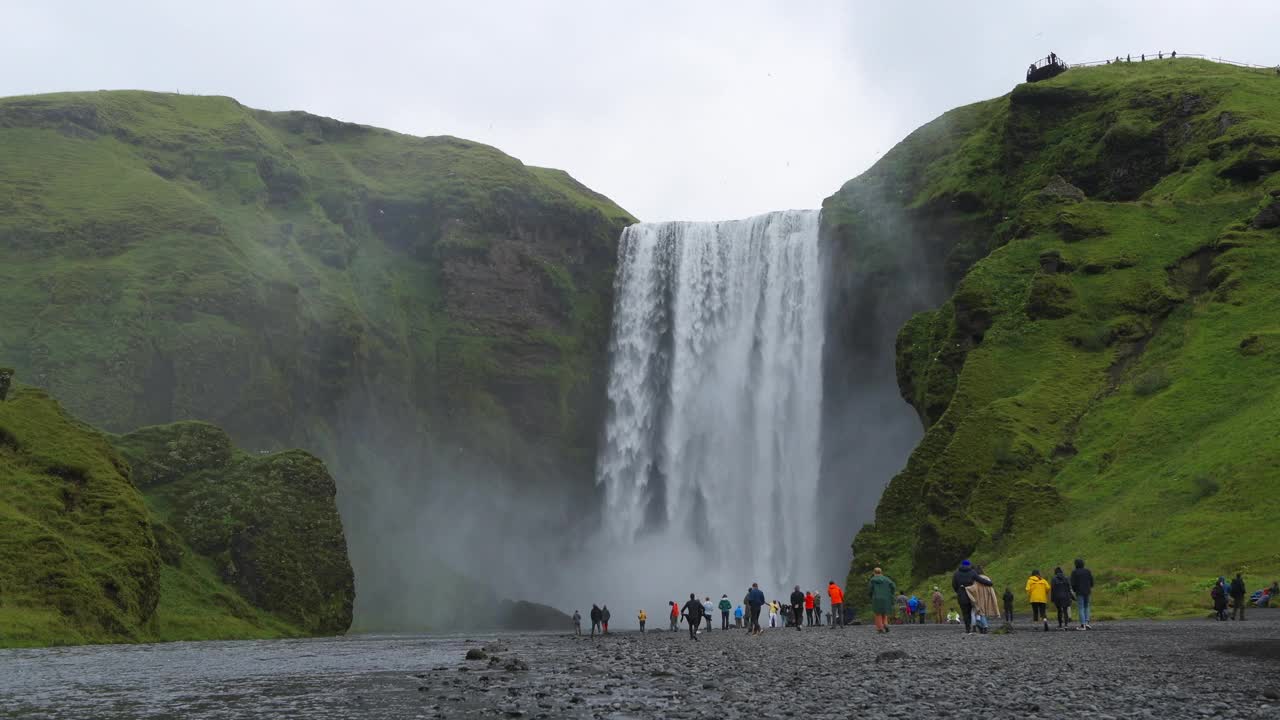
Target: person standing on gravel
[1008, 605]
[604, 619]
[1219, 595]
[693, 615]
[937, 601]
[577, 622]
[706, 612]
[725, 607]
[1038, 590]
[1082, 586]
[903, 611]
[595, 619]
[817, 608]
[675, 615]
[808, 609]
[1237, 597]
[1060, 593]
[739, 617]
[642, 617]
[960, 581]
[797, 607]
[881, 590]
[755, 600]
[837, 604]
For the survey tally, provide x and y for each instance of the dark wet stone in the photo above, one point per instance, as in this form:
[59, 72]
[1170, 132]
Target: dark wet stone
[476, 654]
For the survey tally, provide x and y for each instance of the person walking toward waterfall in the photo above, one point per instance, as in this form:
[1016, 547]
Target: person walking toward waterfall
[725, 607]
[837, 604]
[797, 607]
[755, 601]
[693, 615]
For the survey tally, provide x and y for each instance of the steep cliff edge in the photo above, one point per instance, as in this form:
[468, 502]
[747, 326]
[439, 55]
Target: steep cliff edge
[423, 313]
[1100, 382]
[206, 553]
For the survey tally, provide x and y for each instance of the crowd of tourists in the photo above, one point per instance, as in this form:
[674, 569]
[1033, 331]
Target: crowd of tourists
[977, 605]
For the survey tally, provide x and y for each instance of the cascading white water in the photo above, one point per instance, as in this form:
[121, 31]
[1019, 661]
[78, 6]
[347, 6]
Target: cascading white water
[715, 392]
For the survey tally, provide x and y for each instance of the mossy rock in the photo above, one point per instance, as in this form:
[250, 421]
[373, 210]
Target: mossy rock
[1051, 297]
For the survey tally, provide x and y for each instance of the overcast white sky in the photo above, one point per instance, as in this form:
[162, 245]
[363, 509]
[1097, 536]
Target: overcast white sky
[676, 110]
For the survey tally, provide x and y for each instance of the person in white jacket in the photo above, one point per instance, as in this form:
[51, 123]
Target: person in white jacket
[707, 609]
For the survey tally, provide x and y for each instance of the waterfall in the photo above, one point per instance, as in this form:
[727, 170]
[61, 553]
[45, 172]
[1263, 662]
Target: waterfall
[715, 393]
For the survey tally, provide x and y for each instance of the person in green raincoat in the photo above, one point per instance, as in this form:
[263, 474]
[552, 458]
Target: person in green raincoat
[882, 591]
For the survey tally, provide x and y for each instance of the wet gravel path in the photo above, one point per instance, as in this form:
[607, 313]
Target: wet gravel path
[1119, 670]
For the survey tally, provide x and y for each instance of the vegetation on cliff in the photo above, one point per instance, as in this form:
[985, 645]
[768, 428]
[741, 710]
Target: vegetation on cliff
[1103, 380]
[85, 557]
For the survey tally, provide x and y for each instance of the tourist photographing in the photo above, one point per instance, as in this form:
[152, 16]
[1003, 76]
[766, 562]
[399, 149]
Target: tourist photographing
[837, 604]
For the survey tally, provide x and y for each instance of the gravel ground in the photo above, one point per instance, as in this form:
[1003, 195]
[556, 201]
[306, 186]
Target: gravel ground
[1117, 670]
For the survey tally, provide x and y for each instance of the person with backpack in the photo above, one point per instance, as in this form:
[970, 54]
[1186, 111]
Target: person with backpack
[1237, 597]
[693, 615]
[1038, 595]
[1082, 586]
[1060, 593]
[595, 619]
[725, 607]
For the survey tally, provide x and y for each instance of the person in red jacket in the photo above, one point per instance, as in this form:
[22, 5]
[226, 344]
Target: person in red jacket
[837, 604]
[808, 609]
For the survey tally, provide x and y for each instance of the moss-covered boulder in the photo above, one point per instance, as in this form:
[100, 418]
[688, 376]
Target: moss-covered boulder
[269, 523]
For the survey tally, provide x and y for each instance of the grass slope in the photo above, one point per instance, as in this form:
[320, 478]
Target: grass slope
[86, 558]
[1103, 382]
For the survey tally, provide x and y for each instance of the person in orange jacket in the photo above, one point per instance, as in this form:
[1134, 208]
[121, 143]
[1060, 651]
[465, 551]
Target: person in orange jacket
[808, 609]
[837, 603]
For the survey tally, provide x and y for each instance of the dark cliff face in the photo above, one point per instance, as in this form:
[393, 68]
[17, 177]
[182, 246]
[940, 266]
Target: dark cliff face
[417, 311]
[1064, 231]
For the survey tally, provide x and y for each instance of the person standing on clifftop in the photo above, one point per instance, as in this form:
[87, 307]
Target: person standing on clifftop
[837, 603]
[725, 607]
[881, 590]
[693, 615]
[595, 619]
[1082, 586]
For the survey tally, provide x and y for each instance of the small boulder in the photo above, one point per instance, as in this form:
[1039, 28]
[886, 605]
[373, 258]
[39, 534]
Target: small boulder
[1268, 217]
[891, 655]
[476, 654]
[1060, 190]
[516, 665]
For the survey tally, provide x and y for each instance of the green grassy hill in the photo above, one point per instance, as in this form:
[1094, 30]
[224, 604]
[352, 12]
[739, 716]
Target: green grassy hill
[408, 308]
[1104, 381]
[85, 557]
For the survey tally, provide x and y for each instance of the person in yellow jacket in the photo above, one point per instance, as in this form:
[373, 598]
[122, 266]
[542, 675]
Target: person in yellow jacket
[1038, 596]
[642, 617]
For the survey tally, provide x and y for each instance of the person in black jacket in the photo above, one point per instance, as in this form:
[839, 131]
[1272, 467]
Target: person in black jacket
[1219, 594]
[595, 619]
[1060, 594]
[1082, 586]
[963, 578]
[1008, 606]
[797, 606]
[1237, 597]
[693, 615]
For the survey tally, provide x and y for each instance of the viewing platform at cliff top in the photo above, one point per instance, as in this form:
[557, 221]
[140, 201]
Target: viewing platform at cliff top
[1052, 65]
